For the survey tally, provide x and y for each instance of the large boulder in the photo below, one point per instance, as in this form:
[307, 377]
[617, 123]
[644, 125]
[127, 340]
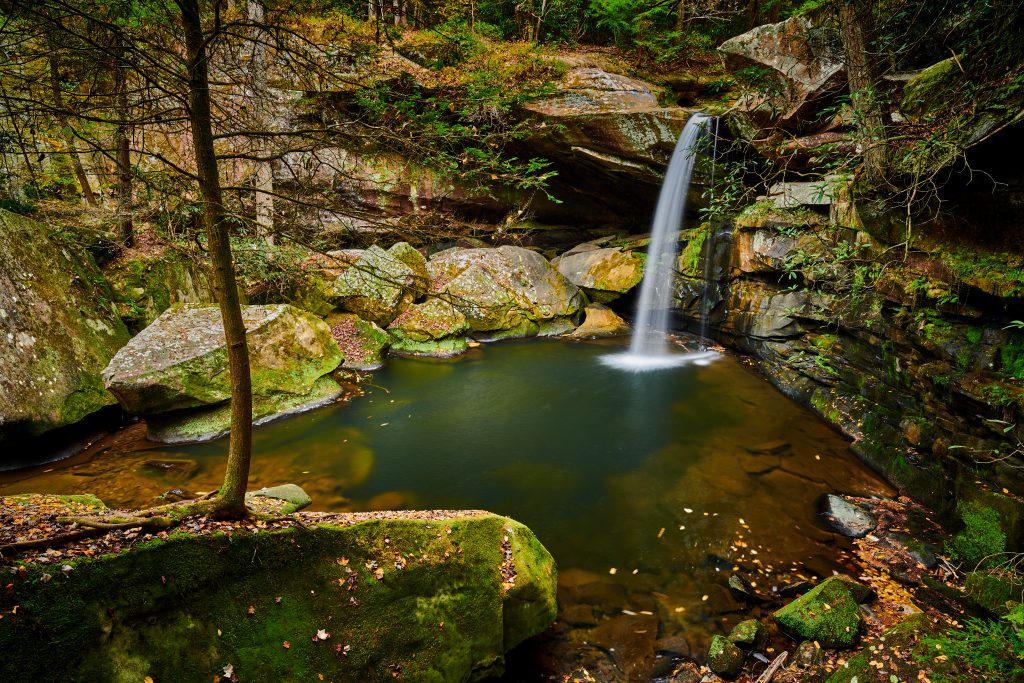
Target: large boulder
[502, 288]
[603, 273]
[58, 329]
[363, 343]
[382, 284]
[422, 596]
[797, 67]
[180, 361]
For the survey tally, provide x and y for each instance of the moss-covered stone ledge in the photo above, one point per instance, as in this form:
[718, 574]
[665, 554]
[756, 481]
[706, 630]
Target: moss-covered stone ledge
[415, 596]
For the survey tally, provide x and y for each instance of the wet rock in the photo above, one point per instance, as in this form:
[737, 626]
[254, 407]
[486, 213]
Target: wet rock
[919, 551]
[603, 273]
[775, 447]
[580, 616]
[601, 321]
[828, 613]
[847, 518]
[673, 646]
[795, 588]
[742, 589]
[724, 658]
[183, 468]
[630, 641]
[58, 328]
[748, 634]
[382, 283]
[177, 495]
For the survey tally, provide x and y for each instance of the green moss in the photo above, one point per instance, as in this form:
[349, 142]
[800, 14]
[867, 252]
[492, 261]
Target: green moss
[828, 613]
[1011, 358]
[427, 600]
[691, 254]
[993, 590]
[441, 348]
[982, 539]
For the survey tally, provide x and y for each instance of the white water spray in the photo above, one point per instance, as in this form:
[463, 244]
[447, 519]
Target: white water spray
[649, 349]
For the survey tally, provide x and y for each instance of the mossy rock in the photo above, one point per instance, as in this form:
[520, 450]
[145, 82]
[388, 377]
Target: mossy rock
[362, 342]
[992, 590]
[382, 284]
[724, 658]
[76, 504]
[59, 328]
[828, 613]
[523, 330]
[434, 319]
[748, 634]
[144, 286]
[191, 426]
[906, 638]
[180, 361]
[439, 348]
[603, 273]
[373, 597]
[283, 500]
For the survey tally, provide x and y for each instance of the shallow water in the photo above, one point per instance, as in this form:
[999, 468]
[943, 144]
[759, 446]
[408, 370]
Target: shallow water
[669, 478]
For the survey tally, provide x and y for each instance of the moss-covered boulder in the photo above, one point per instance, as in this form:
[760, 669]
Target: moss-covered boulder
[362, 342]
[145, 285]
[418, 329]
[724, 657]
[362, 597]
[382, 284]
[499, 289]
[749, 633]
[180, 362]
[995, 591]
[828, 613]
[58, 330]
[603, 273]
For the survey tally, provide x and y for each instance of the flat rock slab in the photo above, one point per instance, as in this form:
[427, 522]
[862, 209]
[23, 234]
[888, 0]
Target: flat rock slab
[284, 499]
[847, 518]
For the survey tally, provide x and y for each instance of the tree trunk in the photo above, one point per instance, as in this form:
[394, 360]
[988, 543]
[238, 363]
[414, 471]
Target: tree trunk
[69, 140]
[232, 493]
[122, 152]
[681, 15]
[855, 17]
[263, 177]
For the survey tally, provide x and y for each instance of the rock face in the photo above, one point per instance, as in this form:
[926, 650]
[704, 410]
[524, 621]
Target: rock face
[828, 614]
[146, 285]
[607, 127]
[180, 362]
[382, 284]
[603, 273]
[502, 288]
[58, 330]
[370, 597]
[798, 66]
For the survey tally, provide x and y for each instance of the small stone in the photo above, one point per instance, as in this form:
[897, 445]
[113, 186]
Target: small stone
[748, 634]
[724, 658]
[742, 589]
[808, 655]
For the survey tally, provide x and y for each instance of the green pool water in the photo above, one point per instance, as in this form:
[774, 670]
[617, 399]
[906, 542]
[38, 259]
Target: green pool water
[650, 486]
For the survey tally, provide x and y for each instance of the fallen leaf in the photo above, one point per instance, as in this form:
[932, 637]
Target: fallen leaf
[322, 634]
[251, 610]
[286, 645]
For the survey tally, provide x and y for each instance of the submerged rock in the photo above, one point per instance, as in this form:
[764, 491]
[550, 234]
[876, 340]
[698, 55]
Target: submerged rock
[180, 362]
[829, 614]
[58, 329]
[438, 596]
[847, 518]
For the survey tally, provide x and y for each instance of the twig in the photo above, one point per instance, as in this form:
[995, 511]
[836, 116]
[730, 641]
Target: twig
[769, 673]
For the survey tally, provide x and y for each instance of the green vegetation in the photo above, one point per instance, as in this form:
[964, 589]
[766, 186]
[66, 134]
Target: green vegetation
[981, 541]
[988, 650]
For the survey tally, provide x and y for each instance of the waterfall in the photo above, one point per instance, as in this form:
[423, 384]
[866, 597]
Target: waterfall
[649, 348]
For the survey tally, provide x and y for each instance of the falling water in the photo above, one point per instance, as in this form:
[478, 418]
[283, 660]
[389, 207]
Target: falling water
[649, 349]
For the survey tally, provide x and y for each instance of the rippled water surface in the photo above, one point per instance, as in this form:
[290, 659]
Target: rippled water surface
[648, 488]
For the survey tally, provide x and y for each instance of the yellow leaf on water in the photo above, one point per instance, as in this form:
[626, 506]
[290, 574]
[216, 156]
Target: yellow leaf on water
[148, 679]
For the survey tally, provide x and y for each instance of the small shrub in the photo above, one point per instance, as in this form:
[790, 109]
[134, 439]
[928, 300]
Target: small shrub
[981, 538]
